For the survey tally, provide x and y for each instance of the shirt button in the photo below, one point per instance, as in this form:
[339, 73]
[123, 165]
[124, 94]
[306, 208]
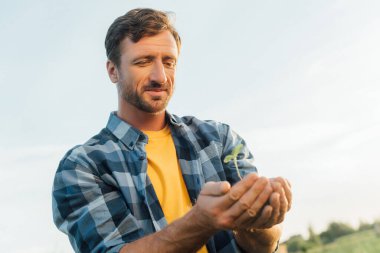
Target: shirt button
[142, 157]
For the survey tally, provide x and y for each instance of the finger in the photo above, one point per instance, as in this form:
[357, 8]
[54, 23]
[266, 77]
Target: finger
[249, 197]
[283, 206]
[289, 184]
[275, 203]
[288, 194]
[260, 201]
[241, 187]
[276, 186]
[252, 213]
[215, 188]
[263, 218]
[287, 188]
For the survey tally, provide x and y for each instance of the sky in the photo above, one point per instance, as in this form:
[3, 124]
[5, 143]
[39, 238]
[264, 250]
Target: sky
[298, 80]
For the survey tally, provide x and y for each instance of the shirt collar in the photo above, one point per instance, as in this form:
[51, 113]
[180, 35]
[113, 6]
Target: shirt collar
[130, 135]
[124, 131]
[174, 119]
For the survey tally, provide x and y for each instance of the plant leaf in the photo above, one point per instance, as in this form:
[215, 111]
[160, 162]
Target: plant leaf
[236, 150]
[228, 158]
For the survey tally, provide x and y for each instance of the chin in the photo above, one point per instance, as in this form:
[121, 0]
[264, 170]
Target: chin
[156, 108]
[158, 112]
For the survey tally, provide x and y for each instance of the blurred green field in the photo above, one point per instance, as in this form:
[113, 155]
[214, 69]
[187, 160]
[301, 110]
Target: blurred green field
[359, 242]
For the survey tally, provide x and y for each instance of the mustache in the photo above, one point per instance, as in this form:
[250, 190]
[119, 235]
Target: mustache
[156, 86]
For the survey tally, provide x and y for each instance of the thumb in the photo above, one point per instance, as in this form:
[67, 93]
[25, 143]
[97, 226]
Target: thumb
[216, 188]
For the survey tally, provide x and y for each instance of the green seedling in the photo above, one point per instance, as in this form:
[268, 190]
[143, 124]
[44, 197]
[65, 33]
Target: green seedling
[233, 156]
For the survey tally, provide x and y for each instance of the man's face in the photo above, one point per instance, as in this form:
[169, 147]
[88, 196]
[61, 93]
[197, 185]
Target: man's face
[147, 71]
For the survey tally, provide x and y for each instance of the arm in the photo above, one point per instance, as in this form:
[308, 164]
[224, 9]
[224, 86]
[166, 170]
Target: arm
[259, 240]
[97, 219]
[182, 235]
[217, 208]
[91, 211]
[84, 208]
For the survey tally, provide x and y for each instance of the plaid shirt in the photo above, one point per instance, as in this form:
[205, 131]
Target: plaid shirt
[102, 197]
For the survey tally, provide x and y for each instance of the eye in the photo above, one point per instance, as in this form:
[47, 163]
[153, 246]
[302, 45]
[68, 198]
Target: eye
[142, 62]
[170, 63]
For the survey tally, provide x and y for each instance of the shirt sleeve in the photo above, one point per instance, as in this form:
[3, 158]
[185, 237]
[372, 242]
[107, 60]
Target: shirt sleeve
[92, 213]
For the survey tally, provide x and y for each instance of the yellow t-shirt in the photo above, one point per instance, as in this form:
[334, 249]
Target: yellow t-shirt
[165, 174]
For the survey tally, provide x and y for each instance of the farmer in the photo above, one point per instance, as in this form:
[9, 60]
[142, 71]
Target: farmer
[151, 181]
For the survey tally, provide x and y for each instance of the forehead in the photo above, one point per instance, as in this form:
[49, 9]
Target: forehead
[162, 43]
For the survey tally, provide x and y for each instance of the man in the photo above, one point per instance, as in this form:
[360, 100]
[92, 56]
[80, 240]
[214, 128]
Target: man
[155, 182]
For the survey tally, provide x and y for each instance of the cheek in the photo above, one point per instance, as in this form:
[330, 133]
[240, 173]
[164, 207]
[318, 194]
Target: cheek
[171, 77]
[132, 81]
[139, 79]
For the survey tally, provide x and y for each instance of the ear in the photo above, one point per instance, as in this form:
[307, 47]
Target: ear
[112, 71]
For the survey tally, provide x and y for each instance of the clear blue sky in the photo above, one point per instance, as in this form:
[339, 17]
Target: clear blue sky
[299, 80]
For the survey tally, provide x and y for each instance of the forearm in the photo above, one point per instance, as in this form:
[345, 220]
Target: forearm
[259, 240]
[183, 235]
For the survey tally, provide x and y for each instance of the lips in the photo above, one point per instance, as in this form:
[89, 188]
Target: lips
[156, 93]
[155, 89]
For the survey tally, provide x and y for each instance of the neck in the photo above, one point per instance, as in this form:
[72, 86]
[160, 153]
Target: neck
[140, 119]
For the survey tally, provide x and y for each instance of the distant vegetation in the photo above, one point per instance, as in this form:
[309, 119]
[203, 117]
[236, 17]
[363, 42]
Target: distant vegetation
[338, 238]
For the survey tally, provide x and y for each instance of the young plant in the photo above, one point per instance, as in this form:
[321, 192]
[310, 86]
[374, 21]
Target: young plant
[233, 156]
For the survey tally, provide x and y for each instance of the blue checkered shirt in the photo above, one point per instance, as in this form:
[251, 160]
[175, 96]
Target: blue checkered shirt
[103, 198]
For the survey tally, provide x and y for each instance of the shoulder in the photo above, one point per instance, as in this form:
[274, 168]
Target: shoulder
[89, 154]
[195, 123]
[204, 129]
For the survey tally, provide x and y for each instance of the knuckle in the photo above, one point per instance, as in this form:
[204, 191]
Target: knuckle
[276, 186]
[243, 204]
[252, 212]
[225, 222]
[275, 196]
[269, 189]
[214, 212]
[264, 180]
[263, 198]
[234, 195]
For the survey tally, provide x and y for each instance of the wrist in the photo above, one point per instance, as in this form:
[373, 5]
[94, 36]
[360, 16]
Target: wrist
[259, 240]
[200, 222]
[264, 237]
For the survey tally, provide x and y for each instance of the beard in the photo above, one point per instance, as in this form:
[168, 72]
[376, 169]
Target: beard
[149, 104]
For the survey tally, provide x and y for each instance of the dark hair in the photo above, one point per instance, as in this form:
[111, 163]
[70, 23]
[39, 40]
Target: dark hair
[135, 24]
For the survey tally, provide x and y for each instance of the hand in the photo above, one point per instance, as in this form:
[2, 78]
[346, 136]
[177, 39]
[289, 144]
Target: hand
[220, 206]
[278, 205]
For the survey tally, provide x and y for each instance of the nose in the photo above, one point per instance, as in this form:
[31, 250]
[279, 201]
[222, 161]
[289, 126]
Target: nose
[158, 73]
